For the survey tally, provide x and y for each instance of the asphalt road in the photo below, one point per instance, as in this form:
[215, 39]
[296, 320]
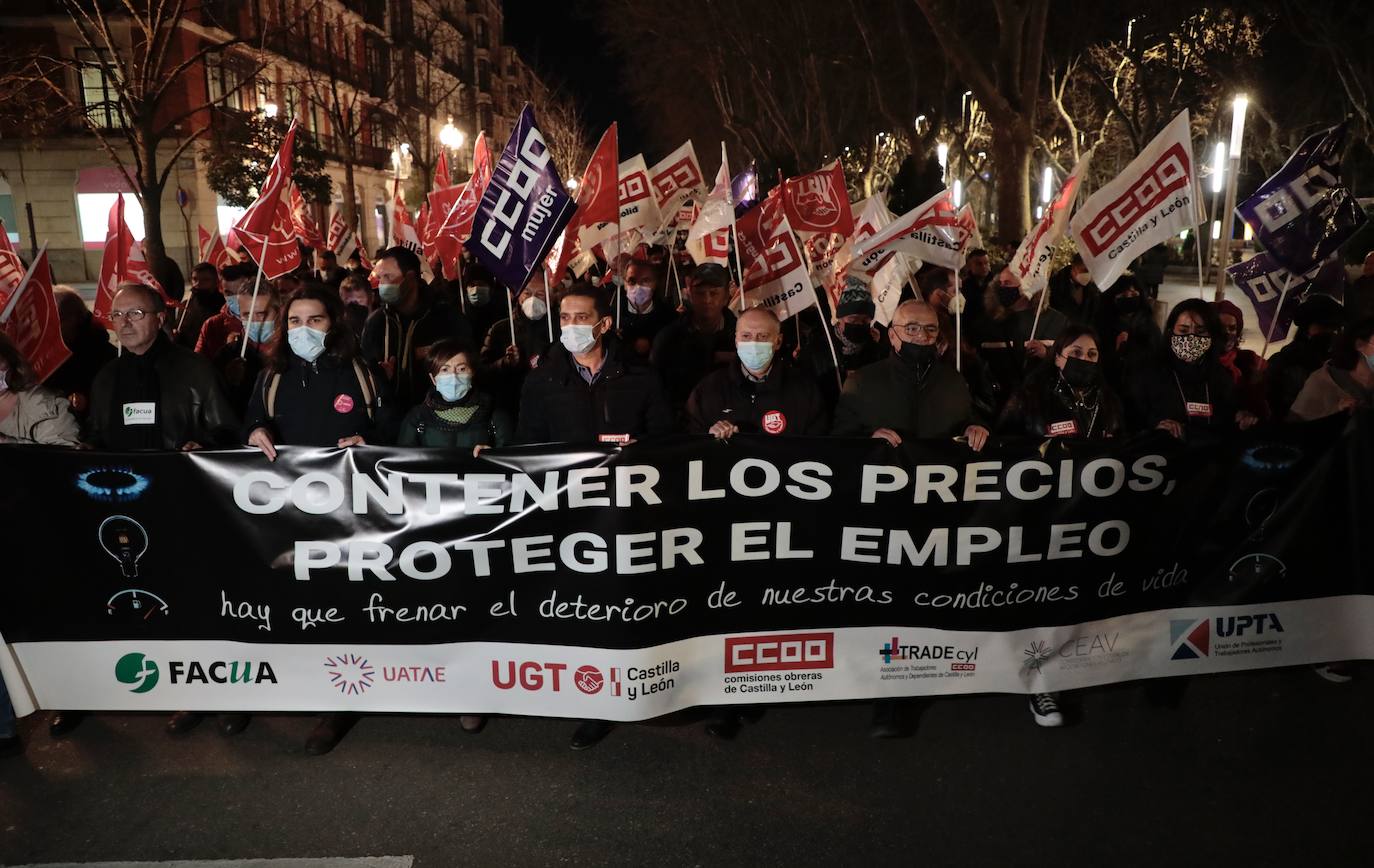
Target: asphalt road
[1261, 768]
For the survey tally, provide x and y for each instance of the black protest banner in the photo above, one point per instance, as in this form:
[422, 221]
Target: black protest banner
[647, 556]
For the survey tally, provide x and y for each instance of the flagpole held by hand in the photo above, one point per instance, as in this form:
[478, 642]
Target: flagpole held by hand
[257, 282]
[959, 326]
[1269, 333]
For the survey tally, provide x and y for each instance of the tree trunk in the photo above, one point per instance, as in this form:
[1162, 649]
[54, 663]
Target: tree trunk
[350, 215]
[150, 189]
[1012, 148]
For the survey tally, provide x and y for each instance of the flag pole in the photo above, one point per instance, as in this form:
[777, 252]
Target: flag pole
[462, 292]
[257, 282]
[959, 326]
[1269, 334]
[510, 314]
[826, 328]
[1201, 286]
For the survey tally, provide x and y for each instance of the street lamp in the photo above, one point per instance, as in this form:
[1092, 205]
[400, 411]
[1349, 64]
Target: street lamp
[1047, 185]
[1228, 216]
[942, 154]
[958, 192]
[572, 185]
[450, 136]
[269, 109]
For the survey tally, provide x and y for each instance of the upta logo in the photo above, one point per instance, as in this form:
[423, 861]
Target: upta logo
[1192, 639]
[137, 670]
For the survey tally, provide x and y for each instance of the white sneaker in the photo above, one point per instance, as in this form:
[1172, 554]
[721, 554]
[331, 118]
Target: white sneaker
[1336, 673]
[1045, 708]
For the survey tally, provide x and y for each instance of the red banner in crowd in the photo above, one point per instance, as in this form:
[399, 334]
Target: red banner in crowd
[30, 320]
[458, 205]
[819, 202]
[306, 230]
[268, 223]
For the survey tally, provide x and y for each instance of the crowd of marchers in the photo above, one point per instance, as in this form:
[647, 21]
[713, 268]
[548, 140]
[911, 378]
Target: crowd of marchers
[343, 357]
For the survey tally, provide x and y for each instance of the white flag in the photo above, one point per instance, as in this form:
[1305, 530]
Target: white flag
[718, 209]
[638, 211]
[870, 216]
[1031, 261]
[1154, 198]
[929, 232]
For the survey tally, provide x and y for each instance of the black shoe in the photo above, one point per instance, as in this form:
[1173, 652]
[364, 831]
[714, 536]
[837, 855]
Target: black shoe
[725, 724]
[11, 746]
[233, 723]
[63, 722]
[589, 733]
[329, 732]
[472, 723]
[888, 720]
[183, 722]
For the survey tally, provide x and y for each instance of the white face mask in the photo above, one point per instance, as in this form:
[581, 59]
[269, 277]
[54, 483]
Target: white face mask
[578, 339]
[533, 307]
[4, 381]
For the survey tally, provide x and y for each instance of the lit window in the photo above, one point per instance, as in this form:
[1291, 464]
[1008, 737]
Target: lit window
[93, 209]
[98, 93]
[227, 215]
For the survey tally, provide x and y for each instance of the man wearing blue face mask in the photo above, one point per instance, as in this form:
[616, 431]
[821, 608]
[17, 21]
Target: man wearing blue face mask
[762, 394]
[226, 325]
[644, 312]
[587, 388]
[411, 318]
[258, 326]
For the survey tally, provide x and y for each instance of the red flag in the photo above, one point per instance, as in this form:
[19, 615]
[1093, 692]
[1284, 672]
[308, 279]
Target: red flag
[441, 179]
[597, 199]
[403, 231]
[268, 224]
[30, 320]
[212, 249]
[458, 205]
[11, 266]
[818, 202]
[121, 262]
[426, 233]
[304, 225]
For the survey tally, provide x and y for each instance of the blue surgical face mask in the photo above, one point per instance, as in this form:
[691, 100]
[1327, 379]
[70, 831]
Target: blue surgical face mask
[260, 332]
[231, 301]
[578, 339]
[478, 294]
[390, 292]
[453, 387]
[306, 342]
[755, 355]
[1369, 360]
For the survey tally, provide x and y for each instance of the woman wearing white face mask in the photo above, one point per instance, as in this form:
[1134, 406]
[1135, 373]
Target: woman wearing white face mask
[316, 390]
[454, 414]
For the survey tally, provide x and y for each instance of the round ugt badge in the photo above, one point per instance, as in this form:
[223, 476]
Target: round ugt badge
[774, 422]
[343, 404]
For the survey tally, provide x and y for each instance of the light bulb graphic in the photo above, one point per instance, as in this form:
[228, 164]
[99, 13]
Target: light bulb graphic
[125, 540]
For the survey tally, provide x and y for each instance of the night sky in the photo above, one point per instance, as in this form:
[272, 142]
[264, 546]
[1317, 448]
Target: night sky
[563, 44]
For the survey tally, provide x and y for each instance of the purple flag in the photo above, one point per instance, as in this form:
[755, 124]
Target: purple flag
[523, 210]
[1262, 279]
[1304, 212]
[744, 190]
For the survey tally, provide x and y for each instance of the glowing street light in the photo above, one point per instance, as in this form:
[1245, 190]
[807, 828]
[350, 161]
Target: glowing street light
[572, 185]
[450, 136]
[1238, 108]
[1047, 185]
[942, 154]
[270, 109]
[1219, 168]
[958, 193]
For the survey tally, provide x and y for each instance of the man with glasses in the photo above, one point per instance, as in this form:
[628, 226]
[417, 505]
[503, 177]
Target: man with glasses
[156, 394]
[911, 393]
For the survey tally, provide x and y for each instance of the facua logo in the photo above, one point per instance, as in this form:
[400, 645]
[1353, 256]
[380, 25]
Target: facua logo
[137, 670]
[786, 651]
[350, 673]
[143, 673]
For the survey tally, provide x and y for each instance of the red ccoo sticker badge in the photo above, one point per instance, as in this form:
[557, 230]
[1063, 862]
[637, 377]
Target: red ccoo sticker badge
[343, 404]
[774, 422]
[588, 679]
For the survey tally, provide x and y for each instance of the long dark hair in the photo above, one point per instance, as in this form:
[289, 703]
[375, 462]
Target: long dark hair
[1210, 320]
[340, 343]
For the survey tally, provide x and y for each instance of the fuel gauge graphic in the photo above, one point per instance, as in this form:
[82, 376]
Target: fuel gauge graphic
[134, 604]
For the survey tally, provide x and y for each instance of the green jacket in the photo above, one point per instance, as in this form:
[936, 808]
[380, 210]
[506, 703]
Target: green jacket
[474, 421]
[888, 394]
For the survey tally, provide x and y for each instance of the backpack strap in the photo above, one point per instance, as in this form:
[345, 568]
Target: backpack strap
[365, 383]
[270, 393]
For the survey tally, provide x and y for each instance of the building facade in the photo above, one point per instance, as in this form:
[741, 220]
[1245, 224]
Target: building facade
[373, 81]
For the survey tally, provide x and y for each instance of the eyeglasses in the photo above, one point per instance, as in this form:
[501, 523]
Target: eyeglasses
[134, 315]
[915, 330]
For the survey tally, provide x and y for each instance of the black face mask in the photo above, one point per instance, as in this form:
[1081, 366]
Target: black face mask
[918, 356]
[1079, 373]
[857, 333]
[1127, 304]
[1007, 295]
